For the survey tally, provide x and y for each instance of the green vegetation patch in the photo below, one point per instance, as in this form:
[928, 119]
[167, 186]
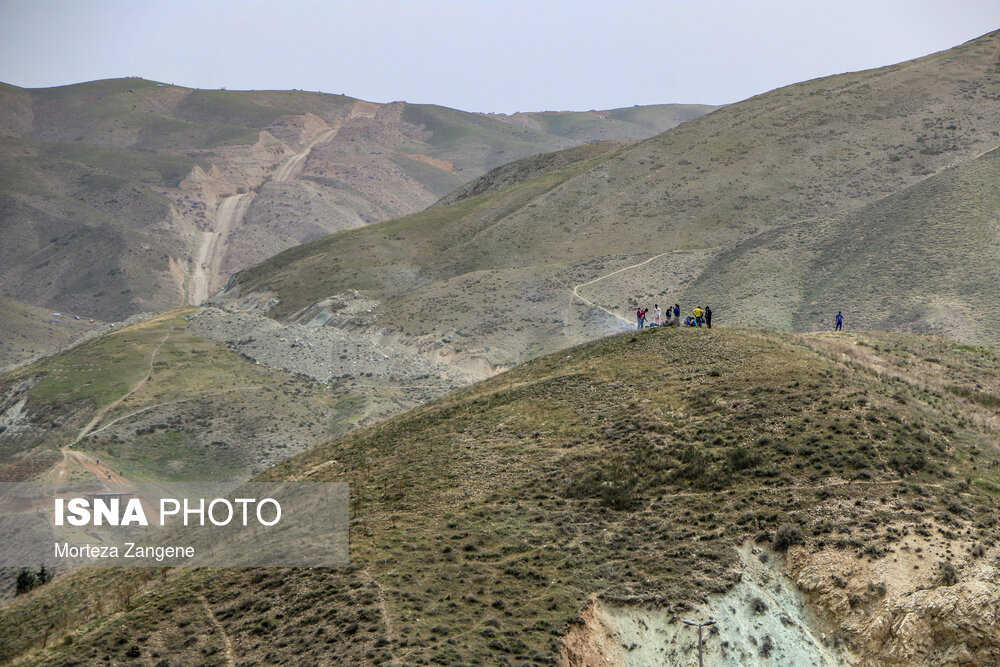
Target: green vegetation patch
[228, 108]
[630, 468]
[131, 165]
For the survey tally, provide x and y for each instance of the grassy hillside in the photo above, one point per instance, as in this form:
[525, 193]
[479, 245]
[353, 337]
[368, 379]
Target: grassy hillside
[629, 473]
[30, 331]
[154, 401]
[628, 123]
[137, 174]
[760, 206]
[924, 259]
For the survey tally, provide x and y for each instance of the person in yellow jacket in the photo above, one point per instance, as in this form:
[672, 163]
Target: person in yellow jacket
[698, 315]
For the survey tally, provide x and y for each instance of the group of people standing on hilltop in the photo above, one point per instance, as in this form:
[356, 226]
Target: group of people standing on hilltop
[699, 317]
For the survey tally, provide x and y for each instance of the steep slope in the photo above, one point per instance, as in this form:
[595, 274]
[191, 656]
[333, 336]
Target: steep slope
[531, 265]
[128, 195]
[829, 498]
[924, 259]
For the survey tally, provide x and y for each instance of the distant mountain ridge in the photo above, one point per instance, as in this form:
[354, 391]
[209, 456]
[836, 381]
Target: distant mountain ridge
[870, 192]
[828, 498]
[128, 195]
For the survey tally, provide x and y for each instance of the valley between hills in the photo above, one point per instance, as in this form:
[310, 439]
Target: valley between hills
[126, 196]
[533, 482]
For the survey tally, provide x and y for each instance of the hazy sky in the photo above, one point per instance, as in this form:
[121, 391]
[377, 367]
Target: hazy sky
[479, 55]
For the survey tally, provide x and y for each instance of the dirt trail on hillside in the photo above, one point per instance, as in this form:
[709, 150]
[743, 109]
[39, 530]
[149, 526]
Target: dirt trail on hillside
[114, 480]
[576, 293]
[111, 479]
[390, 632]
[212, 246]
[188, 399]
[226, 639]
[293, 166]
[85, 431]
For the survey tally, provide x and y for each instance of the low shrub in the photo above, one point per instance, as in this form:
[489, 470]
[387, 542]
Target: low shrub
[786, 535]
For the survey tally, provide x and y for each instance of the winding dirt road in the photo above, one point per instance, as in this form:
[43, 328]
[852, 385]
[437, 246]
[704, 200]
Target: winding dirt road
[576, 293]
[212, 246]
[292, 167]
[111, 478]
[85, 431]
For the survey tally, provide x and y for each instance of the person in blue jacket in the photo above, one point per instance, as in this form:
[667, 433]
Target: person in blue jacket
[840, 322]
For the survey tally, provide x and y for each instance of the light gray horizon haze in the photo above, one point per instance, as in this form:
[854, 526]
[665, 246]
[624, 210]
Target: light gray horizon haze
[479, 55]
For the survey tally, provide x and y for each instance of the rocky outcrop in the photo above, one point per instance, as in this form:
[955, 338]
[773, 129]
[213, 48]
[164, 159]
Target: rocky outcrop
[762, 620]
[948, 625]
[900, 610]
[812, 607]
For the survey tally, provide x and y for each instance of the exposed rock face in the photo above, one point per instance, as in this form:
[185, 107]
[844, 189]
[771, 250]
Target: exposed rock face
[762, 620]
[13, 417]
[897, 610]
[592, 641]
[947, 625]
[826, 607]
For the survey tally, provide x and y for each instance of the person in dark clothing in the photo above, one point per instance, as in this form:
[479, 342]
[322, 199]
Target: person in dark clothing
[840, 321]
[677, 313]
[708, 317]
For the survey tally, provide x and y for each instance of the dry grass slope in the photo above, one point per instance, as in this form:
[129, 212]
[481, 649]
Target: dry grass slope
[203, 412]
[629, 469]
[129, 175]
[778, 210]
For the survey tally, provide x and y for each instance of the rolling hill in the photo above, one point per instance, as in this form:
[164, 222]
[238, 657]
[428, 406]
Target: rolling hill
[827, 498]
[870, 192]
[824, 497]
[126, 195]
[172, 398]
[30, 332]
